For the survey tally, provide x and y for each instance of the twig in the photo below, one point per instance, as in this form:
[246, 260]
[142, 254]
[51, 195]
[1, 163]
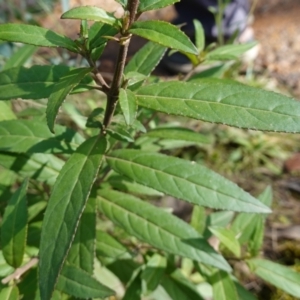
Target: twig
[20, 271]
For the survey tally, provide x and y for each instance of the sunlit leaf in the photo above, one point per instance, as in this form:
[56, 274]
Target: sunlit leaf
[9, 293]
[65, 206]
[5, 112]
[154, 4]
[223, 286]
[128, 105]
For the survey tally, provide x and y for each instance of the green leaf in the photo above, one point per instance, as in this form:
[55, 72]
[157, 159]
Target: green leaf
[179, 133]
[128, 105]
[108, 246]
[146, 59]
[227, 237]
[35, 209]
[145, 5]
[42, 167]
[257, 237]
[78, 283]
[133, 289]
[91, 13]
[34, 137]
[153, 272]
[60, 90]
[223, 286]
[82, 250]
[98, 34]
[36, 82]
[198, 218]
[10, 293]
[243, 294]
[5, 112]
[213, 72]
[229, 52]
[34, 35]
[223, 101]
[164, 34]
[278, 275]
[20, 57]
[157, 227]
[14, 227]
[65, 207]
[183, 179]
[120, 133]
[199, 36]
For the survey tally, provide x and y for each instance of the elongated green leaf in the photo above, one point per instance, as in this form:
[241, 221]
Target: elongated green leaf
[278, 275]
[78, 283]
[98, 34]
[146, 59]
[228, 52]
[34, 35]
[243, 294]
[30, 136]
[154, 4]
[82, 251]
[35, 209]
[223, 286]
[33, 83]
[198, 218]
[199, 36]
[157, 227]
[224, 101]
[107, 246]
[257, 237]
[153, 272]
[10, 293]
[5, 112]
[65, 206]
[164, 34]
[227, 237]
[60, 90]
[42, 167]
[134, 288]
[20, 57]
[14, 227]
[180, 133]
[91, 13]
[182, 179]
[128, 105]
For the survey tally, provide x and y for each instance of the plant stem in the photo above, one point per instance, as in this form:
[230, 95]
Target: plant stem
[113, 94]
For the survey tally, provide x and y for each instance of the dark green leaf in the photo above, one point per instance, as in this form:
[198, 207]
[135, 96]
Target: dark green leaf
[60, 90]
[223, 286]
[33, 83]
[107, 246]
[82, 251]
[42, 167]
[179, 133]
[134, 289]
[120, 133]
[65, 206]
[128, 105]
[10, 293]
[153, 272]
[257, 237]
[184, 180]
[35, 209]
[29, 285]
[20, 57]
[278, 275]
[154, 4]
[146, 59]
[91, 13]
[229, 52]
[78, 283]
[164, 34]
[34, 35]
[5, 112]
[14, 227]
[224, 101]
[98, 34]
[157, 227]
[30, 136]
[243, 294]
[213, 72]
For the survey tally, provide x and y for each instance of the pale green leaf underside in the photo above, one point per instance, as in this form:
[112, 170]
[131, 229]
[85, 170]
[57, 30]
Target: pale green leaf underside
[223, 286]
[36, 82]
[5, 112]
[154, 4]
[222, 101]
[278, 275]
[91, 13]
[34, 35]
[34, 137]
[9, 293]
[184, 180]
[164, 34]
[128, 105]
[60, 90]
[157, 227]
[65, 206]
[78, 283]
[14, 227]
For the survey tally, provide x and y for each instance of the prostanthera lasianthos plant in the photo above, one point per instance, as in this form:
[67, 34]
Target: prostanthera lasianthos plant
[79, 204]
